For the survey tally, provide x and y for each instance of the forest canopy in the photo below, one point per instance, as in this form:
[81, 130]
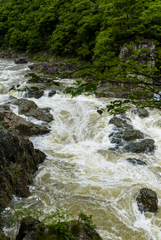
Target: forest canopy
[81, 28]
[92, 31]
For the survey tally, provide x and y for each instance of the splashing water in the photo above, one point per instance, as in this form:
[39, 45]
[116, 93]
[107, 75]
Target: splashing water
[80, 172]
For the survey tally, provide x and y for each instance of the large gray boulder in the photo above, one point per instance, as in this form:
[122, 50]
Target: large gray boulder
[147, 200]
[29, 108]
[10, 120]
[146, 145]
[127, 134]
[120, 122]
[34, 93]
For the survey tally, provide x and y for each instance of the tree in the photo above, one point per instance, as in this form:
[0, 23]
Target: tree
[138, 81]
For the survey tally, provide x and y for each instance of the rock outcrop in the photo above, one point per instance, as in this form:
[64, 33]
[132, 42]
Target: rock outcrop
[10, 120]
[29, 108]
[32, 229]
[18, 160]
[147, 200]
[125, 135]
[145, 55]
[52, 68]
[34, 93]
[146, 145]
[20, 60]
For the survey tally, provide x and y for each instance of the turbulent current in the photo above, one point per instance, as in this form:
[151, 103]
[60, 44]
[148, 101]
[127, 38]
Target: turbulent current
[80, 172]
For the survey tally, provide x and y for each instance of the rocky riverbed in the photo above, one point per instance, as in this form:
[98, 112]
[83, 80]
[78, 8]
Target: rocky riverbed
[107, 166]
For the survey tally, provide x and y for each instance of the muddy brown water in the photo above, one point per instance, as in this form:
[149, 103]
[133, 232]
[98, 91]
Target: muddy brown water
[80, 173]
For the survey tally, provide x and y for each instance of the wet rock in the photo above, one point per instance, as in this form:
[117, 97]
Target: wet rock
[52, 68]
[40, 80]
[127, 134]
[42, 114]
[20, 60]
[141, 112]
[158, 123]
[24, 105]
[34, 93]
[147, 200]
[18, 160]
[119, 122]
[10, 120]
[31, 228]
[135, 161]
[146, 145]
[29, 108]
[52, 93]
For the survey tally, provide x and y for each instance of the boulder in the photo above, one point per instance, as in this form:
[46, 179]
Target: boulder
[127, 134]
[32, 229]
[29, 108]
[20, 60]
[52, 93]
[18, 160]
[146, 145]
[135, 161]
[120, 122]
[141, 112]
[10, 120]
[34, 93]
[147, 200]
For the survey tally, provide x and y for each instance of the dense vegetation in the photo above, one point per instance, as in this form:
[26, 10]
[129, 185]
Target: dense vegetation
[83, 28]
[91, 30]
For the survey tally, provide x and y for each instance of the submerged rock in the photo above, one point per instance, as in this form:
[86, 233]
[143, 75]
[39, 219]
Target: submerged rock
[147, 200]
[18, 160]
[135, 161]
[146, 145]
[141, 112]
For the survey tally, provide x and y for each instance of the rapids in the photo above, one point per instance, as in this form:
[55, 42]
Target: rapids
[80, 172]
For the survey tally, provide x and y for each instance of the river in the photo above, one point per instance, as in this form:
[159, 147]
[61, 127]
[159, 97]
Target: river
[80, 172]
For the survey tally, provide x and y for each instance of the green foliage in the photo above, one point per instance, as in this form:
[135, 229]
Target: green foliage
[87, 220]
[135, 79]
[82, 28]
[93, 31]
[55, 222]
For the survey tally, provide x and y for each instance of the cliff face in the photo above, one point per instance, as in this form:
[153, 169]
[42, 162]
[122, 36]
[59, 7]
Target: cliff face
[18, 160]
